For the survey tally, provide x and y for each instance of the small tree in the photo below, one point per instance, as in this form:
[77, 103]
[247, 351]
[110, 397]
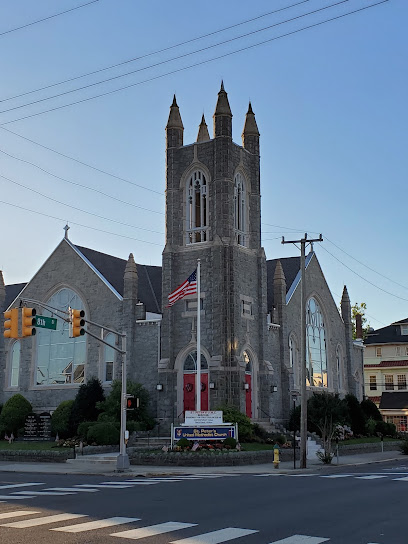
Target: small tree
[231, 414]
[326, 411]
[61, 419]
[370, 410]
[85, 402]
[14, 414]
[355, 415]
[360, 309]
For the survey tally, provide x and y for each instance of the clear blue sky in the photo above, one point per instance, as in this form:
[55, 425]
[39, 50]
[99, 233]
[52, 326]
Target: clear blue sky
[330, 103]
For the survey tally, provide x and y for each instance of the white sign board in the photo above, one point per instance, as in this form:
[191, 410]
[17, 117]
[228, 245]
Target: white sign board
[203, 418]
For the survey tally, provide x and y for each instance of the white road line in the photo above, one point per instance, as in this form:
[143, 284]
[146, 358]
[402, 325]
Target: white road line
[152, 530]
[215, 537]
[10, 486]
[91, 525]
[17, 513]
[337, 476]
[7, 497]
[156, 480]
[371, 477]
[401, 479]
[118, 484]
[41, 493]
[100, 486]
[299, 475]
[301, 539]
[267, 475]
[42, 521]
[73, 489]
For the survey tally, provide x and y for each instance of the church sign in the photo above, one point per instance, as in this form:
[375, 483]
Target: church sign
[216, 432]
[208, 417]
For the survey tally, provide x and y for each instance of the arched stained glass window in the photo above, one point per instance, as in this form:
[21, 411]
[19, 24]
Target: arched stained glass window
[316, 357]
[61, 359]
[15, 364]
[197, 208]
[240, 209]
[190, 362]
[109, 358]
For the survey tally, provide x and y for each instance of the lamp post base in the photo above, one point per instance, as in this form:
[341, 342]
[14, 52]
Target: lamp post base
[123, 462]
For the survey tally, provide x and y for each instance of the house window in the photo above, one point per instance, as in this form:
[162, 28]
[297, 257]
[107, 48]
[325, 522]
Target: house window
[109, 358]
[398, 351]
[404, 330]
[406, 350]
[378, 352]
[316, 357]
[60, 359]
[373, 383]
[240, 210]
[197, 208]
[402, 382]
[15, 364]
[389, 382]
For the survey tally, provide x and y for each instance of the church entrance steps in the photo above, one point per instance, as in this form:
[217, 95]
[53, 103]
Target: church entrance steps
[150, 442]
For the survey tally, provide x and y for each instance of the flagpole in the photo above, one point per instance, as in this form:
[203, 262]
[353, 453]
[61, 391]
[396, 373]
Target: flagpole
[198, 375]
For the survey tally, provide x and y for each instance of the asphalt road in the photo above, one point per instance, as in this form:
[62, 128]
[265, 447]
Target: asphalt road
[366, 505]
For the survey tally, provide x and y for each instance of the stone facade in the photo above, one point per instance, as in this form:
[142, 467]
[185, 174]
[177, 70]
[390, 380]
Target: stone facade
[249, 307]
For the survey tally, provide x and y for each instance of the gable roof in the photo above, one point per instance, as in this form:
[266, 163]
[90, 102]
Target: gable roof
[12, 292]
[387, 335]
[394, 401]
[291, 267]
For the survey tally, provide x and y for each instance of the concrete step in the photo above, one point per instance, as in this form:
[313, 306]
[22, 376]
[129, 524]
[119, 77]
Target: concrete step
[100, 459]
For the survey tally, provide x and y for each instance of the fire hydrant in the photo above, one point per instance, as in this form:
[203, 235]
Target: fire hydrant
[276, 456]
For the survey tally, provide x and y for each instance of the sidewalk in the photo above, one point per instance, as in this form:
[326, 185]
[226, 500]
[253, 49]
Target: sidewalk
[92, 466]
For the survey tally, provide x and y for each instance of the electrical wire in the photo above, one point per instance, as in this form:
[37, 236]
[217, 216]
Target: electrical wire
[78, 224]
[162, 62]
[246, 48]
[157, 52]
[47, 18]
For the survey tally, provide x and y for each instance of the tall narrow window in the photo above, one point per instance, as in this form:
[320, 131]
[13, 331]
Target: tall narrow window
[316, 358]
[109, 358]
[240, 210]
[373, 383]
[389, 382]
[15, 365]
[402, 382]
[197, 208]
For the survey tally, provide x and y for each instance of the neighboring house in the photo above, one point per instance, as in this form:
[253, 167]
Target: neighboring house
[250, 307]
[386, 371]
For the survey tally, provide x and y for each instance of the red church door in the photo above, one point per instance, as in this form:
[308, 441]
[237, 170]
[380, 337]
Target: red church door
[189, 397]
[248, 394]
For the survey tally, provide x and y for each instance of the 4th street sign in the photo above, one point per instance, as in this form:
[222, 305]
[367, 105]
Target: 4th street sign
[46, 322]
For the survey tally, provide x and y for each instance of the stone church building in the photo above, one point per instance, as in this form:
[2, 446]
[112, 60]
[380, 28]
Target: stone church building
[249, 306]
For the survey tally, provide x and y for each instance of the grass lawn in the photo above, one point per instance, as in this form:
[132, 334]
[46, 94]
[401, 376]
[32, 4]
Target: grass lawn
[255, 446]
[28, 445]
[366, 440]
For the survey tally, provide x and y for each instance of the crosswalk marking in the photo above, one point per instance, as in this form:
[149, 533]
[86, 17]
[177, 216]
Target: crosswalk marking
[17, 513]
[156, 480]
[338, 476]
[300, 475]
[405, 479]
[216, 537]
[11, 486]
[91, 525]
[371, 477]
[152, 530]
[42, 521]
[15, 497]
[300, 539]
[42, 493]
[134, 482]
[101, 486]
[73, 489]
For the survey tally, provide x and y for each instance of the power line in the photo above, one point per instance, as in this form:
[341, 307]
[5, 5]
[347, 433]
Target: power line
[155, 52]
[196, 64]
[80, 209]
[82, 186]
[47, 18]
[162, 62]
[363, 278]
[79, 224]
[81, 162]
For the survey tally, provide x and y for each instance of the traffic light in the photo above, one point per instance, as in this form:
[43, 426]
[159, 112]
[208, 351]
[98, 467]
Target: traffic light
[11, 323]
[28, 321]
[132, 403]
[76, 323]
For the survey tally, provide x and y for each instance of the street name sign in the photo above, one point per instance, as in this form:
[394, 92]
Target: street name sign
[46, 322]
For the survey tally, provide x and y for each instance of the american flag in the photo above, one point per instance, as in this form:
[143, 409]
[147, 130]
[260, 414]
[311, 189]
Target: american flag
[189, 287]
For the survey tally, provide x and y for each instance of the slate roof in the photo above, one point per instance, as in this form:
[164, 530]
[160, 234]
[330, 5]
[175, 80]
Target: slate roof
[150, 277]
[387, 364]
[387, 335]
[394, 401]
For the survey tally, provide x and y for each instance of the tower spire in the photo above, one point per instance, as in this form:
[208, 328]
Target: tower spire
[131, 279]
[250, 134]
[222, 115]
[174, 127]
[203, 134]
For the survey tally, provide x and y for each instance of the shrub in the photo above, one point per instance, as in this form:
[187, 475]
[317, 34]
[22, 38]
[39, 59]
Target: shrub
[14, 414]
[355, 415]
[233, 415]
[231, 442]
[133, 426]
[404, 447]
[183, 443]
[325, 457]
[61, 419]
[370, 427]
[260, 432]
[106, 418]
[386, 429]
[370, 410]
[85, 403]
[103, 434]
[84, 427]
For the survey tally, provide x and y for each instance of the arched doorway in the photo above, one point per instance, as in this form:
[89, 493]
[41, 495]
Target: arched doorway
[189, 382]
[248, 383]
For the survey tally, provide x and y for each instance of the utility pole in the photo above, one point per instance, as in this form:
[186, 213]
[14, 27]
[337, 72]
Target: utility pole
[303, 398]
